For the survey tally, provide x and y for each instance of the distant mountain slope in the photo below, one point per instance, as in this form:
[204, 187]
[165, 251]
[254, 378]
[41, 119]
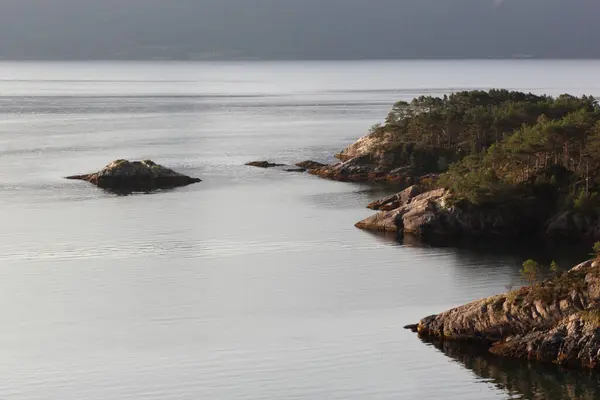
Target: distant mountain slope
[294, 29]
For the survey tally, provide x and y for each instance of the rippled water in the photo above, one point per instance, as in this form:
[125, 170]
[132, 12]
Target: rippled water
[253, 284]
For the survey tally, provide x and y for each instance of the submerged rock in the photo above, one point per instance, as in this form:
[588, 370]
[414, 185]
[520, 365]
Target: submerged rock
[264, 164]
[136, 176]
[557, 320]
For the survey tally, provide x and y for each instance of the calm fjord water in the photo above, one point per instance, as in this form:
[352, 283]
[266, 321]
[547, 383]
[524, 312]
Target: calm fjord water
[252, 284]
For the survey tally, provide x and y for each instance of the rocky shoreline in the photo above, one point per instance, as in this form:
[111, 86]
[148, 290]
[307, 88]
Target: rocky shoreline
[553, 321]
[433, 214]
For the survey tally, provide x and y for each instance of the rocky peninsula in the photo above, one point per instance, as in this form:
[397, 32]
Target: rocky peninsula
[482, 163]
[556, 320]
[146, 175]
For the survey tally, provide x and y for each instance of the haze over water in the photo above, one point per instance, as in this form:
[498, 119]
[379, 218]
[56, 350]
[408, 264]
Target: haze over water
[253, 284]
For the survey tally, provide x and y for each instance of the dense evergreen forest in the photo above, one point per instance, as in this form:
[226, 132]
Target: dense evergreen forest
[502, 146]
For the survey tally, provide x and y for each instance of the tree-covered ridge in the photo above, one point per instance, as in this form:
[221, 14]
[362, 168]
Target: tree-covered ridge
[501, 143]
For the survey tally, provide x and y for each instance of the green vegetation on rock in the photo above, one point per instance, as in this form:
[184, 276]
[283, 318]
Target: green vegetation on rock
[500, 146]
[512, 164]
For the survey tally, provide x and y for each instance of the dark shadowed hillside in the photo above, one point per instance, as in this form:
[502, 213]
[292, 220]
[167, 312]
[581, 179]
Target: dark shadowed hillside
[293, 29]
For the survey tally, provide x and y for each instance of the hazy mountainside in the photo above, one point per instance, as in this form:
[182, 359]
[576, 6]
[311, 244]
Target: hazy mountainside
[292, 29]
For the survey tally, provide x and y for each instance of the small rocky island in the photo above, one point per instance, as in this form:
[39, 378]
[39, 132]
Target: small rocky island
[146, 175]
[556, 320]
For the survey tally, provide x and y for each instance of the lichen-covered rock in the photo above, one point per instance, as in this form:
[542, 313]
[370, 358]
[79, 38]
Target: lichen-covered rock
[557, 320]
[263, 164]
[136, 176]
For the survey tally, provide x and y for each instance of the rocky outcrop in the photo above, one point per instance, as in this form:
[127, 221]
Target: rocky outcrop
[433, 214]
[412, 214]
[376, 157]
[264, 164]
[364, 169]
[376, 143]
[397, 200]
[136, 176]
[557, 320]
[309, 164]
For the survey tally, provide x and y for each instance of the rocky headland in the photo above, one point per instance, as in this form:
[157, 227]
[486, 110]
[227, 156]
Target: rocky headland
[555, 321]
[146, 175]
[376, 157]
[497, 163]
[480, 164]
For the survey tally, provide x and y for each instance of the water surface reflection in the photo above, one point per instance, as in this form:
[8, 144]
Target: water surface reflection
[523, 380]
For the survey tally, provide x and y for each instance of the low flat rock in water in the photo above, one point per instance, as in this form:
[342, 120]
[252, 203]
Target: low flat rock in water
[264, 164]
[555, 321]
[309, 164]
[295, 170]
[143, 175]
